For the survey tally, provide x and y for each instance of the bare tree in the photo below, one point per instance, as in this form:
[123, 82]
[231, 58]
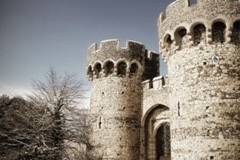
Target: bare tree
[62, 95]
[47, 126]
[58, 92]
[24, 130]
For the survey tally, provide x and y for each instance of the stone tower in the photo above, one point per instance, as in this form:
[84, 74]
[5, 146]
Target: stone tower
[201, 45]
[116, 73]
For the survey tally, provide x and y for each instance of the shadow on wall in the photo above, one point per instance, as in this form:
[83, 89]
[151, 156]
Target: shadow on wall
[198, 34]
[109, 68]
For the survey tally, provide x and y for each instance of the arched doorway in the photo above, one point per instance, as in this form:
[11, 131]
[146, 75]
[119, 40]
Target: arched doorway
[163, 150]
[156, 140]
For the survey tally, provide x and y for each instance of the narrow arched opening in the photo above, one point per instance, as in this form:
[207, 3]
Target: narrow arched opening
[122, 68]
[218, 32]
[163, 140]
[90, 72]
[134, 68]
[108, 68]
[198, 33]
[97, 69]
[180, 34]
[153, 119]
[167, 42]
[236, 32]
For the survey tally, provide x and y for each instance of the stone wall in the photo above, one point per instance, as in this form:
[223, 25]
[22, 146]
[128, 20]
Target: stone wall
[155, 113]
[200, 99]
[111, 50]
[115, 117]
[204, 102]
[116, 73]
[180, 14]
[204, 79]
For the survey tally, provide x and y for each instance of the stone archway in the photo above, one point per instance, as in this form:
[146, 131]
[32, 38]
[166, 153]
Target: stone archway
[156, 133]
[163, 141]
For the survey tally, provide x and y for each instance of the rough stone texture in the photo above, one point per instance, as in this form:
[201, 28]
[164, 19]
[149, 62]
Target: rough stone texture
[208, 96]
[132, 109]
[115, 117]
[111, 50]
[154, 113]
[204, 80]
[116, 100]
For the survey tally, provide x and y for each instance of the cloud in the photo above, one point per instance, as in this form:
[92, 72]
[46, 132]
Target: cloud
[14, 90]
[84, 103]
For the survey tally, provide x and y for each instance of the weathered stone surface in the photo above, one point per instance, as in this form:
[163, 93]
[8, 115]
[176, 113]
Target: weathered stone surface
[196, 108]
[116, 98]
[204, 80]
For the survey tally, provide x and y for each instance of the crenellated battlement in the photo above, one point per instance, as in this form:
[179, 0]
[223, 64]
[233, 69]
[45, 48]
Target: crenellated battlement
[184, 5]
[186, 24]
[110, 58]
[156, 83]
[186, 116]
[114, 44]
[112, 48]
[177, 5]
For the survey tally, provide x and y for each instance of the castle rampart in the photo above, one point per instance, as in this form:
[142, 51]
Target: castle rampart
[116, 73]
[181, 24]
[112, 49]
[191, 114]
[200, 43]
[112, 59]
[155, 113]
[156, 83]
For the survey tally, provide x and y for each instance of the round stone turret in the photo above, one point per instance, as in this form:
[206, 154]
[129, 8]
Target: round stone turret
[201, 44]
[110, 58]
[116, 73]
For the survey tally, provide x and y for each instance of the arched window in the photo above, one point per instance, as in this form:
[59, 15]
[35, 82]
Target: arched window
[167, 42]
[90, 72]
[108, 68]
[218, 32]
[198, 33]
[121, 68]
[236, 32]
[97, 69]
[180, 33]
[133, 68]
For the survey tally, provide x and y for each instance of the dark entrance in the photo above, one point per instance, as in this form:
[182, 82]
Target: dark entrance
[163, 148]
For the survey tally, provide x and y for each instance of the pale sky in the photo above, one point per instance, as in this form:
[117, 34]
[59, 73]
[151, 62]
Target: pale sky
[38, 34]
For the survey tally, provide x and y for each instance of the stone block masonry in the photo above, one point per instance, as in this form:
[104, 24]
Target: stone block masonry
[194, 112]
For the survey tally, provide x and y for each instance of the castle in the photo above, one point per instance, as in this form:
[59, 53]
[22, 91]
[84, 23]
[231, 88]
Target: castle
[194, 112]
